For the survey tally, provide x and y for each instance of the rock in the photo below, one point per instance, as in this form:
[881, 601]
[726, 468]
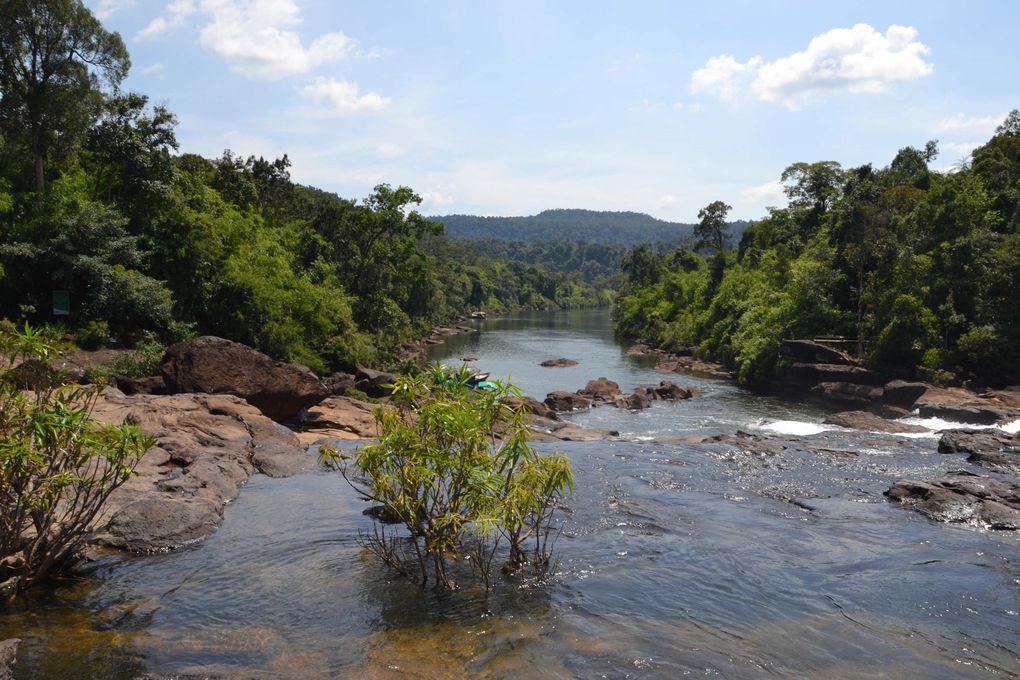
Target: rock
[551, 363]
[31, 375]
[339, 418]
[206, 447]
[371, 382]
[869, 422]
[847, 393]
[965, 413]
[339, 382]
[811, 352]
[676, 363]
[805, 374]
[963, 497]
[534, 407]
[217, 366]
[902, 393]
[601, 390]
[150, 385]
[8, 658]
[672, 392]
[634, 402]
[988, 448]
[561, 400]
[965, 406]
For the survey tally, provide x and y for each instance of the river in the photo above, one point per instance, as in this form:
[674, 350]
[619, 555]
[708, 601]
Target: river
[682, 560]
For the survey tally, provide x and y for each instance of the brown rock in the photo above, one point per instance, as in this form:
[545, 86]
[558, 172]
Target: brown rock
[561, 400]
[339, 382]
[533, 406]
[551, 363]
[339, 418]
[869, 422]
[601, 390]
[847, 393]
[902, 393]
[206, 448]
[671, 391]
[217, 366]
[634, 402]
[812, 374]
[150, 385]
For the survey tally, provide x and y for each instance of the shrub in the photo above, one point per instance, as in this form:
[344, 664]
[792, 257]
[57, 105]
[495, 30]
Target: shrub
[93, 335]
[454, 467]
[57, 467]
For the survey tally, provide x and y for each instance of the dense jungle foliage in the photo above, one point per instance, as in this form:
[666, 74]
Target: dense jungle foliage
[96, 201]
[591, 226]
[921, 268]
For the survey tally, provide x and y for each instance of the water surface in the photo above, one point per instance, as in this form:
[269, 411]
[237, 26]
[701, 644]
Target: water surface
[692, 560]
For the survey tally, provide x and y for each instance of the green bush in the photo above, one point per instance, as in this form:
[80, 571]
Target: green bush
[57, 467]
[455, 468]
[93, 335]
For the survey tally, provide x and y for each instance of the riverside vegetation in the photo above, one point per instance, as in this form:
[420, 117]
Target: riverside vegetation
[919, 268]
[454, 467]
[96, 201]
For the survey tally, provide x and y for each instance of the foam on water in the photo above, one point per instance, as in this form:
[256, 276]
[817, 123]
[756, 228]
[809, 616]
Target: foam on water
[794, 427]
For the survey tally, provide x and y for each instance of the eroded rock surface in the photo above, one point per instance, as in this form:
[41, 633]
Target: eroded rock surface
[963, 497]
[214, 365]
[869, 422]
[552, 363]
[206, 448]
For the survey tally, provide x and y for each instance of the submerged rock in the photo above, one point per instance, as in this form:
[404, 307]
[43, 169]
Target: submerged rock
[963, 497]
[552, 363]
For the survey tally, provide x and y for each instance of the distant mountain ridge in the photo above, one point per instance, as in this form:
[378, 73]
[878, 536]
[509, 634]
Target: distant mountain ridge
[574, 224]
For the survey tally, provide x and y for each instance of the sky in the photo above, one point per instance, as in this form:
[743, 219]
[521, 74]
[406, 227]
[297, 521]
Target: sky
[511, 108]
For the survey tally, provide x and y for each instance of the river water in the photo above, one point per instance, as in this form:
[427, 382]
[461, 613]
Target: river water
[682, 560]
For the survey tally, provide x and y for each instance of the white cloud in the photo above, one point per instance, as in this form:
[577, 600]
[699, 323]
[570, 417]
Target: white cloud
[953, 151]
[666, 201]
[855, 60]
[983, 125]
[107, 8]
[341, 96]
[768, 193]
[155, 68]
[257, 39]
[386, 150]
[433, 200]
[174, 16]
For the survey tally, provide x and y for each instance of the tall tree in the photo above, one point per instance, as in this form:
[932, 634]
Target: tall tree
[712, 229]
[55, 57]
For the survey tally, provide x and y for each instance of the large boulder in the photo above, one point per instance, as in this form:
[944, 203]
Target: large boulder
[988, 448]
[533, 406]
[847, 393]
[601, 390]
[371, 382]
[561, 400]
[973, 414]
[670, 391]
[811, 352]
[902, 393]
[214, 365]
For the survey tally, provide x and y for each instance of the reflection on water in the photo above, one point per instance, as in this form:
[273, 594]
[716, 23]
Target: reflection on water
[674, 560]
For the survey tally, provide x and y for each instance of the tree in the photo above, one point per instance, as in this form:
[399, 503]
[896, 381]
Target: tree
[454, 467]
[54, 57]
[57, 466]
[712, 229]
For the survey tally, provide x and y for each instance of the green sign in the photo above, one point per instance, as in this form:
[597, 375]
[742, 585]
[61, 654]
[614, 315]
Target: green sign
[61, 303]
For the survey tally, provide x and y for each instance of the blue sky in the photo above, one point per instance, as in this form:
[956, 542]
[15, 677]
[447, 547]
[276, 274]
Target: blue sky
[510, 108]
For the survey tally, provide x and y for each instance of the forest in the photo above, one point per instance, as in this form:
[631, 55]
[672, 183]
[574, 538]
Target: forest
[919, 269]
[102, 215]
